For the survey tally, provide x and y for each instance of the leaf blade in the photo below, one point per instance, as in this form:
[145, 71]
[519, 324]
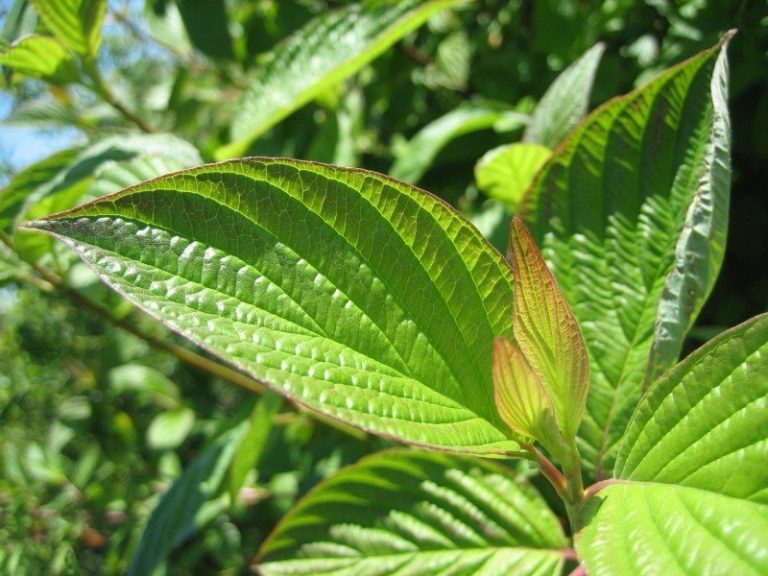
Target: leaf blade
[418, 513]
[324, 52]
[312, 304]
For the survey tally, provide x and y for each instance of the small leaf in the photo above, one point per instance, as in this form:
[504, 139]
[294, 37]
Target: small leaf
[692, 494]
[42, 57]
[77, 23]
[547, 332]
[520, 396]
[254, 441]
[169, 429]
[324, 52]
[356, 295]
[506, 172]
[408, 512]
[565, 103]
[415, 157]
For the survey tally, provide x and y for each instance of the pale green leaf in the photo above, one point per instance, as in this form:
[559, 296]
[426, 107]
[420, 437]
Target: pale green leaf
[254, 441]
[704, 424]
[520, 396]
[640, 529]
[147, 382]
[169, 429]
[565, 103]
[42, 57]
[417, 514]
[692, 496]
[356, 295]
[415, 157]
[324, 52]
[631, 215]
[188, 504]
[506, 172]
[547, 333]
[77, 23]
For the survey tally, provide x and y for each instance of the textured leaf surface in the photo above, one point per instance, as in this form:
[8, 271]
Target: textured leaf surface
[190, 502]
[415, 157]
[77, 23]
[631, 214]
[565, 103]
[696, 497]
[506, 172]
[645, 529]
[41, 57]
[547, 333]
[413, 513]
[520, 396]
[704, 424]
[324, 52]
[356, 295]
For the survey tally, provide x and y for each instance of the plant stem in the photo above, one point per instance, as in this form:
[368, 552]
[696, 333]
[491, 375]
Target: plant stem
[102, 89]
[550, 472]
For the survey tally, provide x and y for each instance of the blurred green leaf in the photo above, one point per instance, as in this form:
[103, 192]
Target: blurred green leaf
[254, 441]
[147, 381]
[169, 429]
[187, 504]
[42, 57]
[77, 23]
[324, 52]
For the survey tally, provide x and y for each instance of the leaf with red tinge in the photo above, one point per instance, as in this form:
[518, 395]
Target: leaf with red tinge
[547, 332]
[520, 396]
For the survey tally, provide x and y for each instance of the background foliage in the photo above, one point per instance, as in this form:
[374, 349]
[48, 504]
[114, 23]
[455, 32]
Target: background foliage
[95, 423]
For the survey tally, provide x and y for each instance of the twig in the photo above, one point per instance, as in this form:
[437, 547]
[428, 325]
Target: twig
[99, 87]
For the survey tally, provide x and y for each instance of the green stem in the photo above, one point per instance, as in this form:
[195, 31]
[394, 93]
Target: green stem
[99, 87]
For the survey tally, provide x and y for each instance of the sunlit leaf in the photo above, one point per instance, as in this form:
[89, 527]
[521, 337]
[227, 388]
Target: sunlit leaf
[324, 52]
[631, 215]
[77, 23]
[547, 333]
[692, 494]
[506, 172]
[41, 57]
[356, 295]
[408, 512]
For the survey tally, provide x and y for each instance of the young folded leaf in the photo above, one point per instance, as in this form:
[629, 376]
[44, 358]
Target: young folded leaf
[547, 332]
[520, 396]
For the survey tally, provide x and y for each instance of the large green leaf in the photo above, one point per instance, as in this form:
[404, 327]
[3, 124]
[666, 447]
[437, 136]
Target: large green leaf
[564, 104]
[693, 491]
[631, 214]
[324, 52]
[414, 158]
[42, 57]
[414, 513]
[356, 295]
[77, 23]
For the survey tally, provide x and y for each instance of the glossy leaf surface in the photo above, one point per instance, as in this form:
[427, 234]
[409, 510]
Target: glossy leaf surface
[547, 333]
[696, 493]
[41, 57]
[77, 23]
[324, 52]
[415, 513]
[356, 295]
[565, 103]
[506, 172]
[631, 215]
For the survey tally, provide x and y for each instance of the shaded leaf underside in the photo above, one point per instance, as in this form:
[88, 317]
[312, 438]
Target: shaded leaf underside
[356, 295]
[414, 513]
